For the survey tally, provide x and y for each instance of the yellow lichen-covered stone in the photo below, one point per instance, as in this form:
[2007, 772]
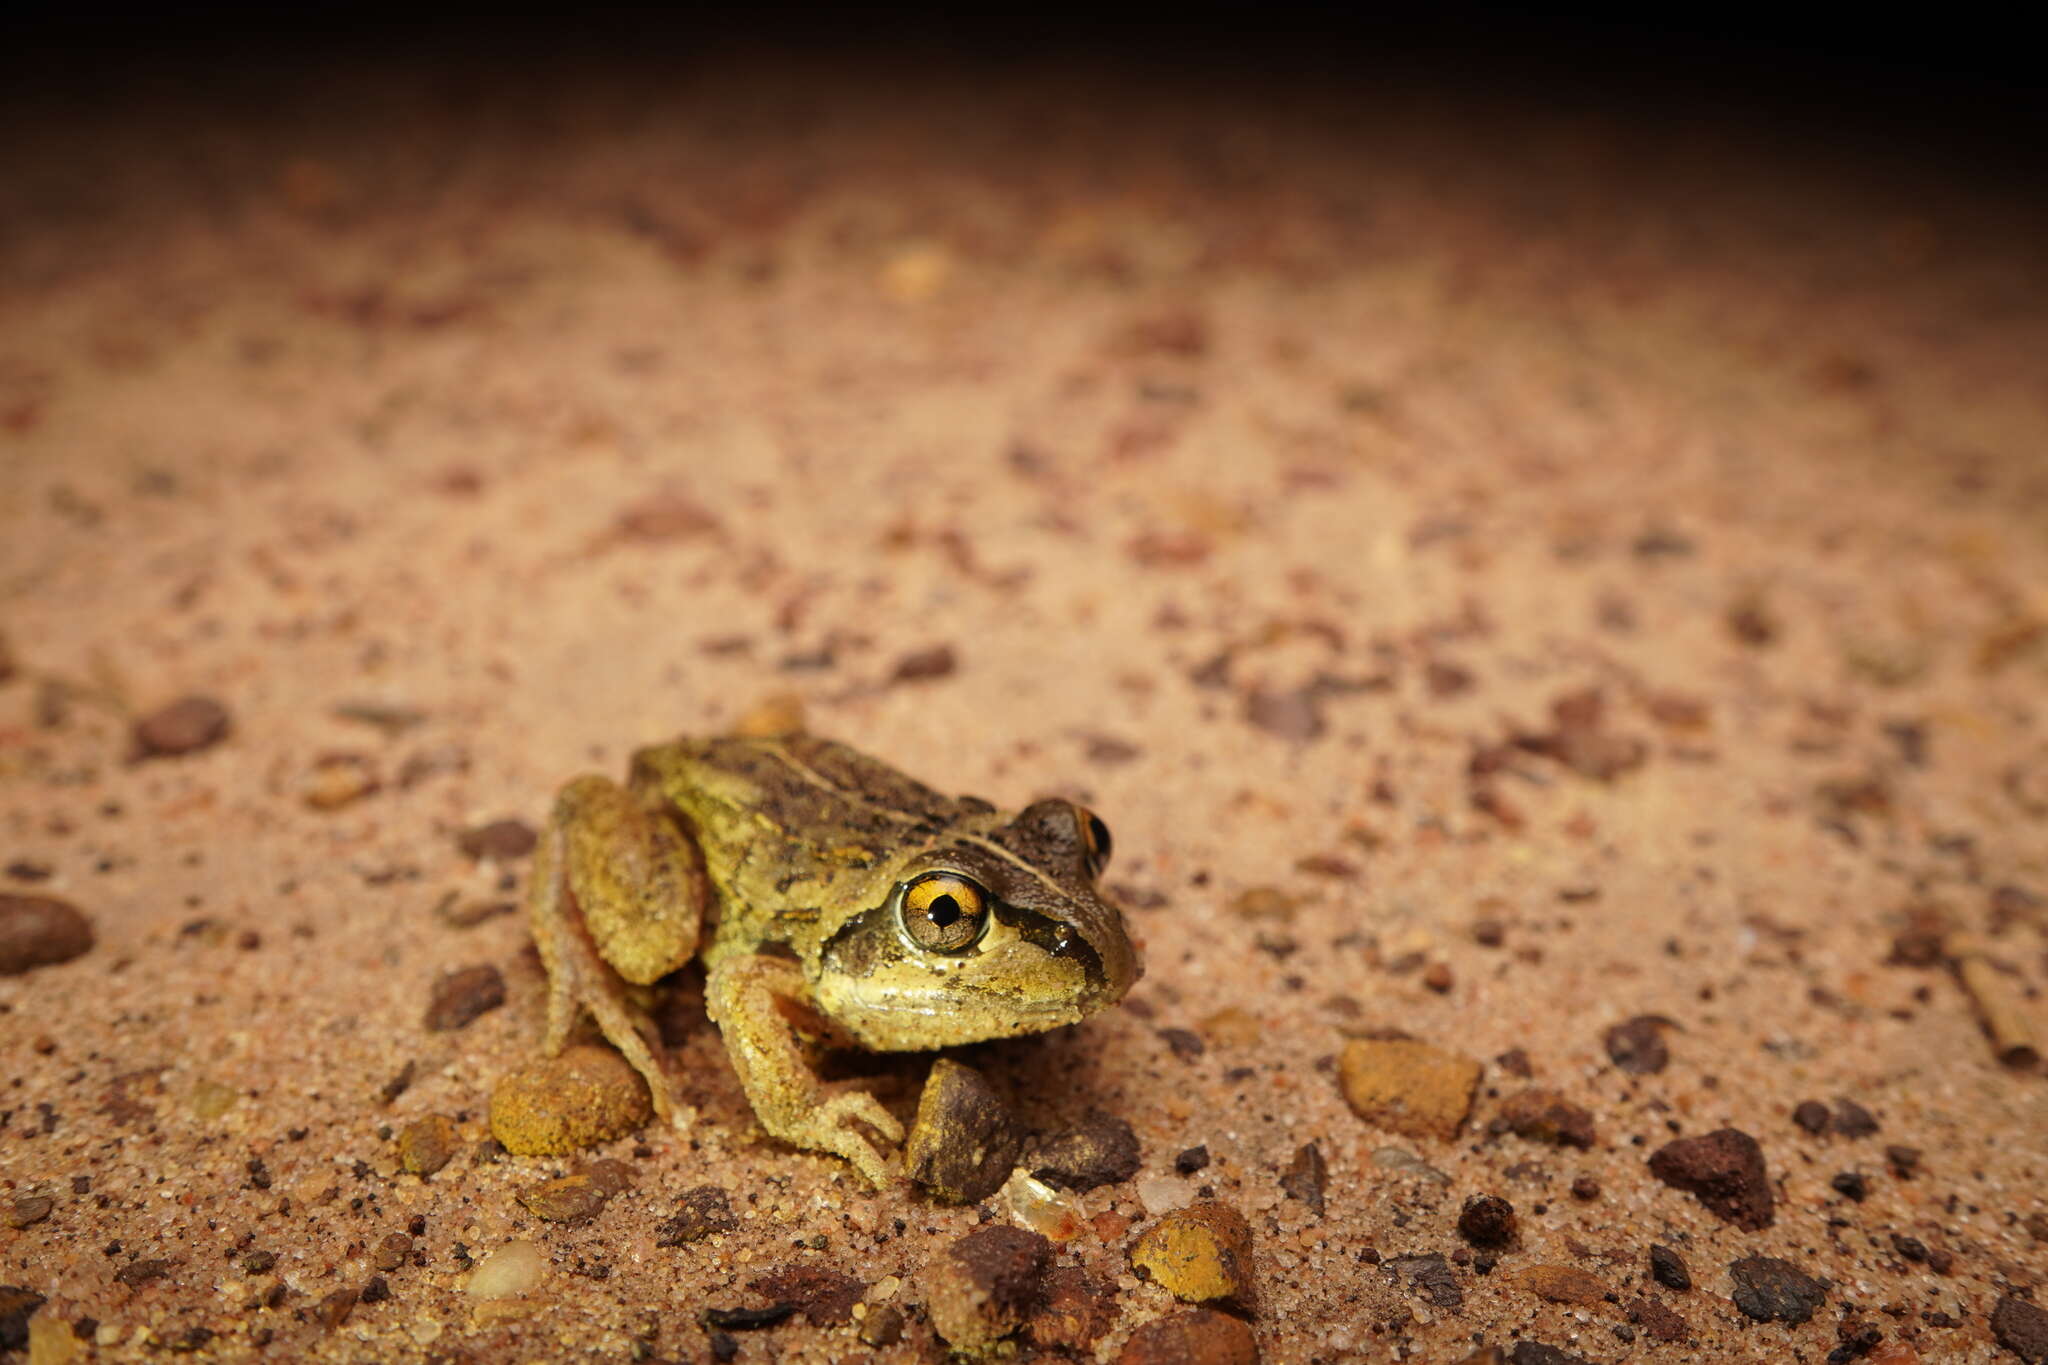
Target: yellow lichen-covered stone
[564, 1104]
[1200, 1254]
[1408, 1087]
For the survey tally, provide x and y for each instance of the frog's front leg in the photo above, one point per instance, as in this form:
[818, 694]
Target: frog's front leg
[752, 998]
[617, 898]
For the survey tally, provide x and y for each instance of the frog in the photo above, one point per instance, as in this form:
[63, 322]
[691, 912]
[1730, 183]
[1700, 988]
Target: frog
[835, 903]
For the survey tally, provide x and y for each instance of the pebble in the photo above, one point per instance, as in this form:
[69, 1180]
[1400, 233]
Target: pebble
[882, 1327]
[1811, 1115]
[427, 1144]
[982, 1287]
[776, 716]
[2021, 1328]
[964, 1140]
[1074, 1312]
[1195, 1159]
[391, 1251]
[1487, 1220]
[699, 1213]
[1659, 1321]
[1637, 1045]
[1771, 1290]
[1852, 1120]
[1196, 1336]
[40, 931]
[1669, 1268]
[556, 1105]
[1545, 1116]
[1305, 1177]
[569, 1199]
[1562, 1284]
[1200, 1254]
[825, 1297]
[1431, 1276]
[1408, 1087]
[338, 780]
[29, 1209]
[462, 995]
[501, 841]
[513, 1269]
[1536, 1353]
[1099, 1150]
[185, 726]
[1725, 1171]
[1041, 1208]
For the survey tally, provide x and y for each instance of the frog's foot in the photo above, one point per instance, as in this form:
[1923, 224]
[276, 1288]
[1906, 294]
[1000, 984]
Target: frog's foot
[607, 877]
[748, 998]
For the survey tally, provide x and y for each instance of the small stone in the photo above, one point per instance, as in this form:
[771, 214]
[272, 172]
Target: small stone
[462, 995]
[1408, 1087]
[427, 1144]
[1562, 1284]
[570, 1199]
[501, 841]
[1852, 1120]
[1669, 1268]
[142, 1272]
[391, 1251]
[461, 914]
[2037, 1222]
[1487, 1220]
[1659, 1321]
[964, 1140]
[1073, 1314]
[514, 1269]
[1185, 1044]
[1437, 976]
[40, 931]
[1852, 1185]
[259, 1263]
[376, 1289]
[1195, 1336]
[778, 715]
[1905, 1161]
[882, 1327]
[1725, 1171]
[29, 1209]
[980, 1289]
[185, 726]
[1200, 1254]
[1431, 1276]
[2021, 1328]
[1811, 1115]
[1099, 1150]
[1536, 1353]
[1940, 1260]
[1585, 1188]
[333, 1309]
[1544, 1116]
[925, 665]
[1637, 1045]
[1911, 1248]
[555, 1105]
[825, 1297]
[1194, 1159]
[1306, 1176]
[338, 780]
[699, 1213]
[1770, 1290]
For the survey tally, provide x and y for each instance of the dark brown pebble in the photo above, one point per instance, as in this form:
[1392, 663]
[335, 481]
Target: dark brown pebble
[259, 1262]
[501, 841]
[1852, 1120]
[1431, 1276]
[1515, 1061]
[1536, 1353]
[825, 1297]
[1940, 1260]
[1489, 933]
[1725, 1171]
[427, 1144]
[1669, 1269]
[1544, 1116]
[1659, 1321]
[1487, 1220]
[462, 995]
[925, 665]
[1074, 1312]
[376, 1289]
[1772, 1290]
[335, 1307]
[1637, 1045]
[882, 1327]
[1912, 1248]
[1306, 1176]
[2021, 1328]
[24, 870]
[1586, 1188]
[185, 726]
[1099, 1150]
[1195, 1336]
[1192, 1160]
[1851, 1185]
[1811, 1115]
[981, 1288]
[1437, 977]
[40, 931]
[142, 1272]
[699, 1213]
[391, 1251]
[747, 1319]
[965, 1140]
[1905, 1161]
[2037, 1225]
[1186, 1045]
[28, 1210]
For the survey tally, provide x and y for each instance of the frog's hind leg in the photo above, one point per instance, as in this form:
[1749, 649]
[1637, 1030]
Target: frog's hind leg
[752, 999]
[617, 898]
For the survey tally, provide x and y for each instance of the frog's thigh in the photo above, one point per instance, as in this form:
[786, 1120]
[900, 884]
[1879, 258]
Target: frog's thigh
[743, 995]
[617, 897]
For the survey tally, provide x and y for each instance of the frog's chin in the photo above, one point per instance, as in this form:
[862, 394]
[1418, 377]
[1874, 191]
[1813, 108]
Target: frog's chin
[923, 1021]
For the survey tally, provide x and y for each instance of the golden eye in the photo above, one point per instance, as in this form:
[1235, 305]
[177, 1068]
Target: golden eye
[1094, 840]
[945, 912]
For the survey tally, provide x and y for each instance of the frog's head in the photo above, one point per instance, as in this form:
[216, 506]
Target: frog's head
[997, 930]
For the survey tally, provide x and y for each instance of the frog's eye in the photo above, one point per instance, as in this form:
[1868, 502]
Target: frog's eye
[945, 912]
[1095, 843]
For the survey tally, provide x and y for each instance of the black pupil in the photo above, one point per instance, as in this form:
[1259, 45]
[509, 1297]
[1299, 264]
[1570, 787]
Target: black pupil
[943, 911]
[1101, 833]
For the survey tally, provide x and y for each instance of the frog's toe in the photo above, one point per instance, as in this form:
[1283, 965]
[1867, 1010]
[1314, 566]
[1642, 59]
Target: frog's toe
[832, 1133]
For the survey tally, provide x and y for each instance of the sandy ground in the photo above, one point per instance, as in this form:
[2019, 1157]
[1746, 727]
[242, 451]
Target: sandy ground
[1260, 467]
